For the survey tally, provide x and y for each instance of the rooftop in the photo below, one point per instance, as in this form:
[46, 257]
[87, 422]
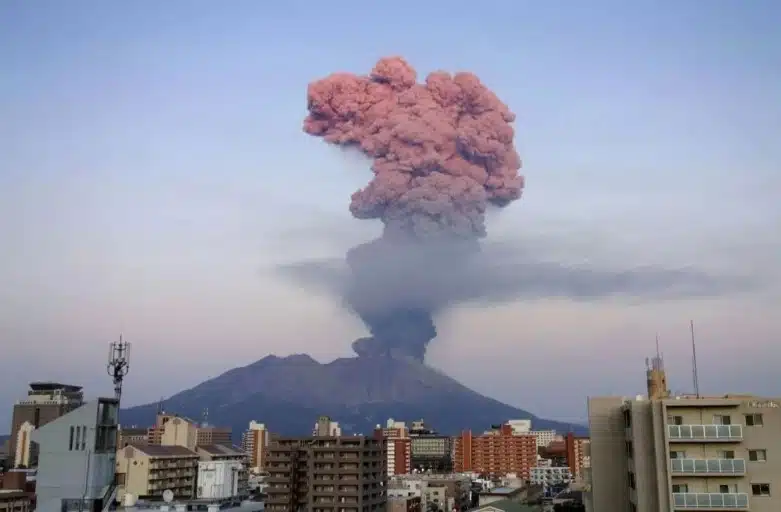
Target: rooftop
[157, 450]
[508, 505]
[220, 449]
[53, 386]
[502, 491]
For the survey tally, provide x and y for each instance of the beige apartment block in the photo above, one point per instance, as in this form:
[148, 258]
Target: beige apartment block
[685, 453]
[147, 470]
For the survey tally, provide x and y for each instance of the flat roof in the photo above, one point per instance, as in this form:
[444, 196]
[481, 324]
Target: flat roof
[52, 386]
[502, 491]
[157, 450]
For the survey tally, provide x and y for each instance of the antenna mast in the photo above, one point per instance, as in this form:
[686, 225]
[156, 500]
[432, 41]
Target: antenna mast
[694, 362]
[118, 363]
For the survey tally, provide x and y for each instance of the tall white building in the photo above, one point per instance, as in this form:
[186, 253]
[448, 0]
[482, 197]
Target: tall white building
[326, 428]
[544, 437]
[218, 479]
[520, 427]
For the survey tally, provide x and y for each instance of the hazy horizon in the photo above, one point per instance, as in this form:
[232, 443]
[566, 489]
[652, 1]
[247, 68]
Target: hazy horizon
[154, 175]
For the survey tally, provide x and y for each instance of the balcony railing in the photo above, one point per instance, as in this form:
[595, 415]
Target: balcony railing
[705, 433]
[710, 501]
[710, 466]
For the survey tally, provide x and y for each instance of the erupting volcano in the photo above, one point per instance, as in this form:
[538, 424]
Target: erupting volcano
[441, 152]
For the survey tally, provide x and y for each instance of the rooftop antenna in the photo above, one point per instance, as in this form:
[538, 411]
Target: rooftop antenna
[694, 362]
[118, 363]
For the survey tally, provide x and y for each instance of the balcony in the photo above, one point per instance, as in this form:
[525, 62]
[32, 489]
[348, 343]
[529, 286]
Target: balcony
[705, 433]
[708, 467]
[710, 501]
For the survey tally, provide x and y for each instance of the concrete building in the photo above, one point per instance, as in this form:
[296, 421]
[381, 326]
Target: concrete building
[497, 452]
[520, 426]
[77, 457]
[545, 437]
[255, 442]
[550, 475]
[665, 453]
[323, 474]
[45, 402]
[222, 473]
[132, 435]
[172, 429]
[430, 451]
[15, 493]
[147, 470]
[405, 504]
[326, 428]
[446, 492]
[399, 446]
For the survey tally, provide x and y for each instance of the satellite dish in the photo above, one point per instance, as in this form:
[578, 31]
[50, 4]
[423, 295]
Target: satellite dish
[168, 496]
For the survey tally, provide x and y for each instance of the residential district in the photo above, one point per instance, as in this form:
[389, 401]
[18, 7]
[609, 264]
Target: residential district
[656, 452]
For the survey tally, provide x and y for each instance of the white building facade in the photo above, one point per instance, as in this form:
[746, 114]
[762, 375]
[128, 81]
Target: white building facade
[218, 479]
[546, 475]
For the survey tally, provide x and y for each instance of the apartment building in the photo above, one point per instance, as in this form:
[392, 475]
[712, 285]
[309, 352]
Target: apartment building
[578, 454]
[496, 452]
[132, 435]
[399, 446]
[15, 495]
[324, 474]
[436, 492]
[664, 453]
[147, 470]
[325, 427]
[172, 429]
[45, 402]
[77, 456]
[545, 437]
[255, 442]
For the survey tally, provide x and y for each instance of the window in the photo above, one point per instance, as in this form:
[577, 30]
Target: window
[727, 454]
[680, 488]
[724, 489]
[675, 420]
[678, 455]
[78, 438]
[628, 448]
[70, 443]
[757, 455]
[632, 483]
[754, 420]
[722, 419]
[83, 437]
[37, 417]
[760, 489]
[627, 418]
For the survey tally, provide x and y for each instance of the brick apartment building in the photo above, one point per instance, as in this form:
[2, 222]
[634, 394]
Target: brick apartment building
[496, 452]
[578, 452]
[324, 474]
[399, 446]
[255, 443]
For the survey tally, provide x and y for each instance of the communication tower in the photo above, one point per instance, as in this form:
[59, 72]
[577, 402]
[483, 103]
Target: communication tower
[118, 363]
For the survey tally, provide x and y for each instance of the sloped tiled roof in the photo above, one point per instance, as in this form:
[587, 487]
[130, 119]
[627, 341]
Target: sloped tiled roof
[219, 449]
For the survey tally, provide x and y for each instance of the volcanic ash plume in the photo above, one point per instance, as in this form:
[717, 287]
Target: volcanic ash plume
[441, 152]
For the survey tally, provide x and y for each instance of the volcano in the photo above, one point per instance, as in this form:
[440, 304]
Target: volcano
[289, 393]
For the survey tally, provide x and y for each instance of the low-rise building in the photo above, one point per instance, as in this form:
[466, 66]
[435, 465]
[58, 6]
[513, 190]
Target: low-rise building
[147, 470]
[404, 504]
[222, 473]
[444, 491]
[551, 475]
[15, 500]
[132, 435]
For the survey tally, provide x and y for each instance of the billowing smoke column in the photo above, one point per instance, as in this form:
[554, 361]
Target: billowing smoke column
[441, 153]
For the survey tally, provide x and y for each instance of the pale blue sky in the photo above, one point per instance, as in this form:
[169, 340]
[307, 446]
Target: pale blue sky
[152, 164]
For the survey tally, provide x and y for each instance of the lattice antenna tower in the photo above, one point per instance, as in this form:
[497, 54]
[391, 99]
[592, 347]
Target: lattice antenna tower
[118, 363]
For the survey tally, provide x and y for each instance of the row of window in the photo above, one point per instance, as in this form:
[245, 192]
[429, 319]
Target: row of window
[756, 489]
[753, 455]
[78, 438]
[750, 420]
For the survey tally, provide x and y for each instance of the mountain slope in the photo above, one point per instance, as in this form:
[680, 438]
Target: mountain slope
[290, 393]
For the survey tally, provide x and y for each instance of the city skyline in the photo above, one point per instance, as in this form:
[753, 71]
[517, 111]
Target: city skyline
[155, 173]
